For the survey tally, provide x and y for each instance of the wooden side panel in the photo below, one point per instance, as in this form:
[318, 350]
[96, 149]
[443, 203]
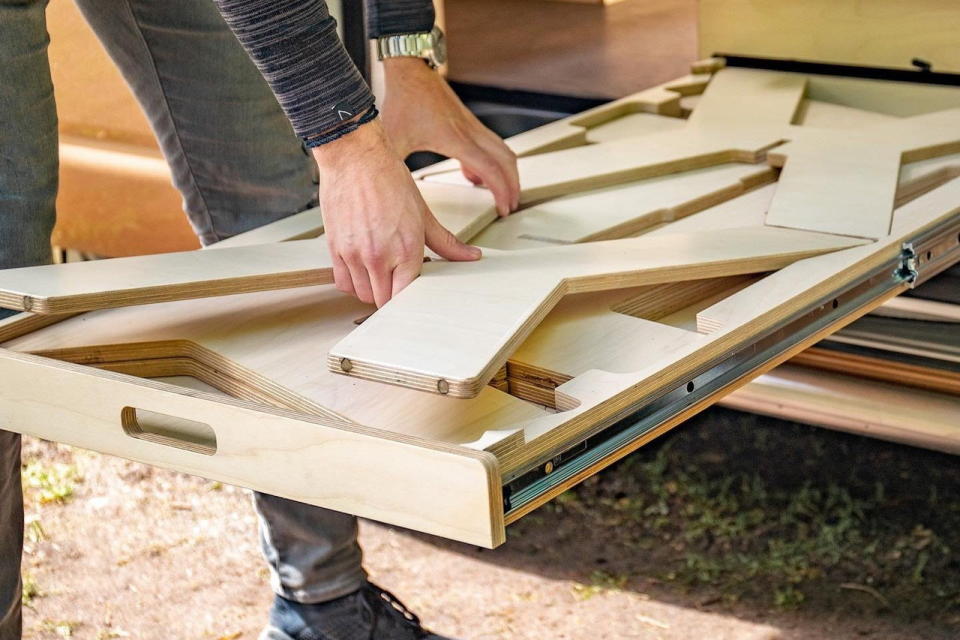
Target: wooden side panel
[343, 466]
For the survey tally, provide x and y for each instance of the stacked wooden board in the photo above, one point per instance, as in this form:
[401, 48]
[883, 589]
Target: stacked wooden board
[670, 265]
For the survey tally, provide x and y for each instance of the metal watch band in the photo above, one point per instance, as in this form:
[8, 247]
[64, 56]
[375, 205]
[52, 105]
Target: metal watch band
[414, 45]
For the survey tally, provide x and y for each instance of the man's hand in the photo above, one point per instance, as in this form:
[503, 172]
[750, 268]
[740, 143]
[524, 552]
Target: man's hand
[375, 219]
[421, 113]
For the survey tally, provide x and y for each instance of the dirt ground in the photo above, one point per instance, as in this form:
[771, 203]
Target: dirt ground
[733, 528]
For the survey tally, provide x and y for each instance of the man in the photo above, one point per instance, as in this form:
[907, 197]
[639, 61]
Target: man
[238, 165]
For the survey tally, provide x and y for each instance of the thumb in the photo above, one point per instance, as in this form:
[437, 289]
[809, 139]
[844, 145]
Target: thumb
[445, 244]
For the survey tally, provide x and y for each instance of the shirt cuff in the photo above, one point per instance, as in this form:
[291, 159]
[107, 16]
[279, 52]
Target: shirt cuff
[390, 17]
[295, 45]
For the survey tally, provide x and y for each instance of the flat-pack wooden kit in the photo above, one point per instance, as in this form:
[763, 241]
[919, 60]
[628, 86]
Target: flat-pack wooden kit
[674, 245]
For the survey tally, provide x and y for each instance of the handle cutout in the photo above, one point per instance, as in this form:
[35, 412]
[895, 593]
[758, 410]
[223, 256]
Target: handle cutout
[170, 431]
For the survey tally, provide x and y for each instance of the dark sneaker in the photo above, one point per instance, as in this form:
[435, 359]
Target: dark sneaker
[371, 613]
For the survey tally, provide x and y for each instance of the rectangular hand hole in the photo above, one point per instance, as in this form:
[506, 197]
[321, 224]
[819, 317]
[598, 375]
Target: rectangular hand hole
[171, 431]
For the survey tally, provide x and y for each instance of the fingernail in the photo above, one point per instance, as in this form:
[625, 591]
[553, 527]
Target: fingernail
[476, 251]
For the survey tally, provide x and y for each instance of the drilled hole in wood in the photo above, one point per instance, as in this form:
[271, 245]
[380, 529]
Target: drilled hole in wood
[835, 304]
[690, 386]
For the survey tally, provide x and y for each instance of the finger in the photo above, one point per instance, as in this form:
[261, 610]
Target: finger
[445, 244]
[485, 165]
[507, 161]
[341, 275]
[381, 281]
[405, 273]
[361, 280]
[471, 176]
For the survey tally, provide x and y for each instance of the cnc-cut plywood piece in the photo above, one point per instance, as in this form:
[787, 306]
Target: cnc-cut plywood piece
[761, 98]
[618, 212]
[457, 324]
[462, 211]
[662, 100]
[827, 115]
[633, 125]
[549, 175]
[844, 182]
[118, 282]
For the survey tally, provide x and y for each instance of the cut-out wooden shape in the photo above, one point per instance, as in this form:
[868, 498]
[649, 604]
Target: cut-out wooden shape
[662, 100]
[844, 182]
[826, 115]
[118, 282]
[462, 211]
[633, 125]
[736, 96]
[456, 325]
[549, 175]
[238, 268]
[621, 211]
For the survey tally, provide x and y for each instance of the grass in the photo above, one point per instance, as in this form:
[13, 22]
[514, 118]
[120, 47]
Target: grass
[49, 483]
[735, 507]
[30, 589]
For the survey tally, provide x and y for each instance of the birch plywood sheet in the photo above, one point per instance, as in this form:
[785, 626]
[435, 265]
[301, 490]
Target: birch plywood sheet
[618, 212]
[748, 95]
[456, 325]
[549, 175]
[845, 182]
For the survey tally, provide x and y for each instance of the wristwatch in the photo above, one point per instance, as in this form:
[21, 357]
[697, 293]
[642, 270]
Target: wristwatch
[431, 46]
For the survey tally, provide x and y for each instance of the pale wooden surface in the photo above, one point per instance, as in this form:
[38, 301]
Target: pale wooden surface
[621, 211]
[736, 96]
[457, 324]
[886, 33]
[83, 286]
[340, 465]
[877, 410]
[845, 182]
[558, 173]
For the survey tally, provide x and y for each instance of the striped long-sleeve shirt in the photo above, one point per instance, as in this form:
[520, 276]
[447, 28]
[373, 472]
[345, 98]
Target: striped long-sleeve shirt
[295, 45]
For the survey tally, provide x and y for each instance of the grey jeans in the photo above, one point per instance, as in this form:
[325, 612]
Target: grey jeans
[238, 165]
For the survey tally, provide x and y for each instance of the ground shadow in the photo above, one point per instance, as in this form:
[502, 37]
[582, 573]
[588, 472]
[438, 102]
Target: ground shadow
[763, 519]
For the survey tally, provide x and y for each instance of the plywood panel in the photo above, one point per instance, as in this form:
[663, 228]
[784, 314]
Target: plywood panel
[621, 211]
[886, 33]
[457, 324]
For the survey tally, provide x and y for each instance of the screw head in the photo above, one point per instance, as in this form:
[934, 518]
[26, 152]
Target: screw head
[346, 365]
[443, 386]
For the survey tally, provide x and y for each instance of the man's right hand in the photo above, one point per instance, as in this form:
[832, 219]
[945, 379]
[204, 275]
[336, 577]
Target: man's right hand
[374, 217]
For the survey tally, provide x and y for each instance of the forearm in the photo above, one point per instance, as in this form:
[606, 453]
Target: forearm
[295, 45]
[387, 17]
